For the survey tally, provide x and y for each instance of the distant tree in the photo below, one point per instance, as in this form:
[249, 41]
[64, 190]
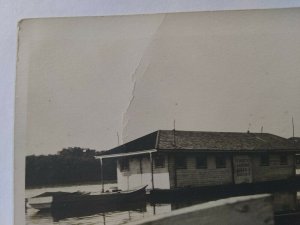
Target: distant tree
[70, 165]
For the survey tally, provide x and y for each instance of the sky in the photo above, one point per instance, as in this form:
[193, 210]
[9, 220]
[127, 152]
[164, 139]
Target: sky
[87, 80]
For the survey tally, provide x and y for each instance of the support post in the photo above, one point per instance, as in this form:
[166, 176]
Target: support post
[175, 171]
[102, 181]
[152, 178]
[232, 168]
[294, 164]
[141, 170]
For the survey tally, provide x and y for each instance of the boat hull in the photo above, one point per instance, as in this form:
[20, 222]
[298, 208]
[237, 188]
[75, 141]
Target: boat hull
[105, 201]
[42, 206]
[42, 203]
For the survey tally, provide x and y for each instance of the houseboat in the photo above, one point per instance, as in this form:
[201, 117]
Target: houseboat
[296, 141]
[173, 159]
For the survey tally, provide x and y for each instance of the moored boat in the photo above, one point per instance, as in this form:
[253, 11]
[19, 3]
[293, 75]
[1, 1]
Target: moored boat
[41, 202]
[71, 200]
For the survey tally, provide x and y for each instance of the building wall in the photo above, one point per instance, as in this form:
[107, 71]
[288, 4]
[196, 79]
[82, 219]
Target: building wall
[274, 171]
[191, 176]
[139, 174]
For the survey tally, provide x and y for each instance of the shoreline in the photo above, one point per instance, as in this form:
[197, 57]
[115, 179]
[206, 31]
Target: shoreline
[72, 184]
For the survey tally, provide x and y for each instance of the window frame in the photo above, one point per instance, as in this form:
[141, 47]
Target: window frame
[199, 159]
[181, 159]
[218, 159]
[163, 162]
[297, 160]
[264, 160]
[285, 161]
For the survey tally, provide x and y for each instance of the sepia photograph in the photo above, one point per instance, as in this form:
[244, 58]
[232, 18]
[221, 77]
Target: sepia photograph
[173, 118]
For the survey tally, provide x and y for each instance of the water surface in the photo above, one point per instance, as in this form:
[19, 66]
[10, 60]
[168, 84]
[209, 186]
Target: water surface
[132, 213]
[141, 211]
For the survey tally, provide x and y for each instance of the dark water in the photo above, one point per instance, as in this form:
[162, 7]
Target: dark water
[116, 217]
[131, 213]
[124, 215]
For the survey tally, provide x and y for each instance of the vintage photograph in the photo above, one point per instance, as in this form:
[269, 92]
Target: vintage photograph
[179, 118]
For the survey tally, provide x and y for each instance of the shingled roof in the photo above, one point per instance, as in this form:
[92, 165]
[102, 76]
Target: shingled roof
[295, 141]
[199, 141]
[231, 141]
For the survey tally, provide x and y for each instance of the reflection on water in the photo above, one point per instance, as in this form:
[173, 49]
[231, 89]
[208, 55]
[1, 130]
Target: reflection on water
[119, 215]
[126, 213]
[94, 209]
[105, 218]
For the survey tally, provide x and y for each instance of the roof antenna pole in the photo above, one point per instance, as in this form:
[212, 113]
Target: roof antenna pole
[248, 131]
[174, 140]
[293, 126]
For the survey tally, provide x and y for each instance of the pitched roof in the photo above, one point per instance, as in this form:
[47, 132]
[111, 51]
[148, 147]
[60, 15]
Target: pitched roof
[230, 141]
[170, 140]
[146, 142]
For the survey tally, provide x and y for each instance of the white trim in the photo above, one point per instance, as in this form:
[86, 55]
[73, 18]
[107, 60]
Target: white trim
[125, 154]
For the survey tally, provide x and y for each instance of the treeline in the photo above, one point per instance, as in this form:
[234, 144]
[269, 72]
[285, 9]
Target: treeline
[69, 166]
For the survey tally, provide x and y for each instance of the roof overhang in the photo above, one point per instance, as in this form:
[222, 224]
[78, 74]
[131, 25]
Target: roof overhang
[125, 154]
[230, 151]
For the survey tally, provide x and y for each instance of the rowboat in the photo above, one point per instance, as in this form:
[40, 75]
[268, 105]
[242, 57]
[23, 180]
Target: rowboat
[71, 200]
[41, 202]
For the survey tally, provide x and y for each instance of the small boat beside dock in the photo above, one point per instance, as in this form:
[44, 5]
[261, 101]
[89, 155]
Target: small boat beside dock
[71, 200]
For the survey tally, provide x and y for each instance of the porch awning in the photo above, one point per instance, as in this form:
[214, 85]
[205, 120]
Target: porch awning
[125, 154]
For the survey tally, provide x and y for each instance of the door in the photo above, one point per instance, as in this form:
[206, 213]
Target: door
[242, 166]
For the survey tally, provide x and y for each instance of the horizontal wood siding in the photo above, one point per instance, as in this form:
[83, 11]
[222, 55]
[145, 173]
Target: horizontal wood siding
[274, 171]
[139, 173]
[191, 176]
[170, 177]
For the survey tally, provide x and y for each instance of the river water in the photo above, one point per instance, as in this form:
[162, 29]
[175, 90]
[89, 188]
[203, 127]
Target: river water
[33, 216]
[131, 214]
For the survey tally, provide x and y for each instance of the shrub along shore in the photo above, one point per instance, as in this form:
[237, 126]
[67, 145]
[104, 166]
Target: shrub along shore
[70, 166]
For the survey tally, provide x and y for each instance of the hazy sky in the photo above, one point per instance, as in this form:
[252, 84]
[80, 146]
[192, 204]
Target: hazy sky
[89, 78]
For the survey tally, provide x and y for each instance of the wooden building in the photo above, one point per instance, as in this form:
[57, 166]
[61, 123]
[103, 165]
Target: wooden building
[168, 159]
[296, 141]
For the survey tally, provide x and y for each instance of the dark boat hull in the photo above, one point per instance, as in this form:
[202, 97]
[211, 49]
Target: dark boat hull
[88, 210]
[106, 201]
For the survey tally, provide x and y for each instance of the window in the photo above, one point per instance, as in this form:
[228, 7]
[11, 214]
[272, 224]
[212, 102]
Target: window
[201, 162]
[283, 160]
[180, 162]
[220, 162]
[264, 160]
[297, 160]
[242, 171]
[124, 164]
[159, 161]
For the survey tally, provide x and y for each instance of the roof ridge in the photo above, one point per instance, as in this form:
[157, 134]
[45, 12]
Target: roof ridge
[223, 132]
